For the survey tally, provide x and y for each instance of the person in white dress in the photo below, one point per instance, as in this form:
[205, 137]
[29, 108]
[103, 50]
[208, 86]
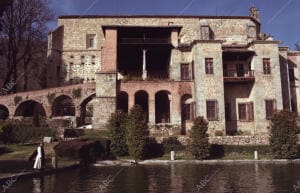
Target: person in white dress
[38, 164]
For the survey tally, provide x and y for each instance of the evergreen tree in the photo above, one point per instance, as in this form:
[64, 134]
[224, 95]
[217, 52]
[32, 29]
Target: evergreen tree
[137, 132]
[117, 130]
[283, 139]
[200, 146]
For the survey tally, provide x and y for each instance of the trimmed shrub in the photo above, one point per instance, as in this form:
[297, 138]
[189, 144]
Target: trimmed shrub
[283, 139]
[73, 133]
[137, 132]
[117, 132]
[16, 133]
[86, 150]
[172, 144]
[200, 147]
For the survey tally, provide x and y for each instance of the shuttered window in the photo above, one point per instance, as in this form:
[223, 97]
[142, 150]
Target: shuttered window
[185, 72]
[246, 111]
[212, 110]
[267, 66]
[209, 66]
[270, 108]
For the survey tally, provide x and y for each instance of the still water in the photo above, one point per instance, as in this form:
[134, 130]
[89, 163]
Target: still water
[169, 178]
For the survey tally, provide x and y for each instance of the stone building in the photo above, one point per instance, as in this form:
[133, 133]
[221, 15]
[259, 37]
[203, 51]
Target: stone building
[178, 67]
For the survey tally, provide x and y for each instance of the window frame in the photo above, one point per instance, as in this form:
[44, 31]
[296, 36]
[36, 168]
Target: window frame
[209, 66]
[185, 72]
[248, 110]
[216, 110]
[267, 66]
[269, 115]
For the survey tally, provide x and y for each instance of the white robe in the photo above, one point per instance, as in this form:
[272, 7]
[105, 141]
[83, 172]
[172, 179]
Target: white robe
[38, 159]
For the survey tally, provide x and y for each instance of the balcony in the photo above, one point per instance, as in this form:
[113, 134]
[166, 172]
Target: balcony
[233, 76]
[149, 41]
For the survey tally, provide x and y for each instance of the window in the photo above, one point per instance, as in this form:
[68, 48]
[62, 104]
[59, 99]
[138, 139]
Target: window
[267, 66]
[188, 111]
[270, 108]
[246, 111]
[209, 68]
[90, 40]
[185, 72]
[212, 110]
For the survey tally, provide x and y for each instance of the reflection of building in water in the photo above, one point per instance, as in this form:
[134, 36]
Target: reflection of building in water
[176, 184]
[263, 178]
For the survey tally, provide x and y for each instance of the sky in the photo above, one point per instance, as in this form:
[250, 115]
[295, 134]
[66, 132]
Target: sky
[280, 18]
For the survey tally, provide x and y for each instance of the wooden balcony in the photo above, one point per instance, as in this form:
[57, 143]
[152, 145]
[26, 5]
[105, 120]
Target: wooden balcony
[232, 76]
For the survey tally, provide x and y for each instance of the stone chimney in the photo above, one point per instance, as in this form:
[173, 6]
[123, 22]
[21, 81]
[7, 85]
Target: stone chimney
[254, 13]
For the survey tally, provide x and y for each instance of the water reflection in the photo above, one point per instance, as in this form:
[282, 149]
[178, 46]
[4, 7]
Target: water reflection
[172, 178]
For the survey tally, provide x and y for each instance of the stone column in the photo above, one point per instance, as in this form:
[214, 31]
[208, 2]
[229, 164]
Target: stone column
[152, 108]
[144, 64]
[130, 101]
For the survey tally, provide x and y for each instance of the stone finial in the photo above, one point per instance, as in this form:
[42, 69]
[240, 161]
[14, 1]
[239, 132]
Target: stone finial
[254, 12]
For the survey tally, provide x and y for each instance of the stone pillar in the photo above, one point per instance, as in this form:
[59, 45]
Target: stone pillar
[174, 37]
[144, 65]
[152, 108]
[130, 101]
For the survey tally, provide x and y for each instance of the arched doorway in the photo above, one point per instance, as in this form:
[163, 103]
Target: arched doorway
[122, 101]
[4, 113]
[141, 98]
[162, 107]
[187, 112]
[63, 106]
[32, 109]
[86, 110]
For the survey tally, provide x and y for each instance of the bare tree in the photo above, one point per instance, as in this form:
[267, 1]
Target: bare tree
[23, 36]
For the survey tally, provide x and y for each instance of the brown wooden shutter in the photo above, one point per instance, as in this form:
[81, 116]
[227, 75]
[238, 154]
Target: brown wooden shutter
[250, 112]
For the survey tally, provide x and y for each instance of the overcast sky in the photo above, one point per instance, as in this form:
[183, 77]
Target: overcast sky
[281, 18]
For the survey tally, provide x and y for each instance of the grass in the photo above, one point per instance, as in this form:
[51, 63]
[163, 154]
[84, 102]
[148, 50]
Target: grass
[95, 134]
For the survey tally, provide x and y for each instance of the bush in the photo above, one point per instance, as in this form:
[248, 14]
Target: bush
[172, 144]
[137, 132]
[16, 133]
[73, 133]
[86, 150]
[283, 139]
[200, 147]
[117, 128]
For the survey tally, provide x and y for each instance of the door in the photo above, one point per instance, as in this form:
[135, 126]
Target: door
[240, 70]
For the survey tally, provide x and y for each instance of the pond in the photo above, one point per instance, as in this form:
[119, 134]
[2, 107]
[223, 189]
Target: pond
[165, 178]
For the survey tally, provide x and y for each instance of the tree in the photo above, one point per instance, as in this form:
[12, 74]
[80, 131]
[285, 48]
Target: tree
[117, 128]
[23, 40]
[137, 132]
[283, 138]
[297, 46]
[200, 146]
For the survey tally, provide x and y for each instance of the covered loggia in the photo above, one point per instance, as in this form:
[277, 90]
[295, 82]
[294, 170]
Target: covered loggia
[144, 53]
[63, 106]
[86, 110]
[162, 107]
[4, 113]
[141, 98]
[122, 101]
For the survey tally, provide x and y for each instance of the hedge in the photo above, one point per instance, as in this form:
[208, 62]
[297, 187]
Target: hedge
[86, 150]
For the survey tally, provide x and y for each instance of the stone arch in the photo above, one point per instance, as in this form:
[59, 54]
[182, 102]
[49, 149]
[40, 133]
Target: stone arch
[122, 101]
[32, 112]
[63, 105]
[162, 106]
[187, 111]
[29, 109]
[86, 110]
[141, 98]
[4, 112]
